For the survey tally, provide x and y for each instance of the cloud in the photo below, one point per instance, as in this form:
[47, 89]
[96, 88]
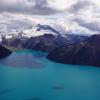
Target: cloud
[34, 7]
[81, 5]
[93, 26]
[84, 15]
[9, 22]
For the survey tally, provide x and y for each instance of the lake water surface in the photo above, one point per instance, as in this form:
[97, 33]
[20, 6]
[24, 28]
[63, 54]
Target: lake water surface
[28, 75]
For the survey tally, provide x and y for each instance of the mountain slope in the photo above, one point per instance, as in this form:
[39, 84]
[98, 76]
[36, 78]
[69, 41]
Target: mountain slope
[4, 52]
[49, 42]
[46, 42]
[83, 53]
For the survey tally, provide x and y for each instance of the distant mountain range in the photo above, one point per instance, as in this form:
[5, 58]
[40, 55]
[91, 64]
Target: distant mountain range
[41, 37]
[36, 30]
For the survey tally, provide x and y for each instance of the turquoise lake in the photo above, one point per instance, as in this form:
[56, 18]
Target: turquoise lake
[28, 75]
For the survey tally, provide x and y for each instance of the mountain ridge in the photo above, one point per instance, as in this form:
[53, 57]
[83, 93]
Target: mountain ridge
[86, 52]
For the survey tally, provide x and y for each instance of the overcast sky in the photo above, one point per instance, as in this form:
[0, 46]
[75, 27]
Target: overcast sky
[71, 15]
